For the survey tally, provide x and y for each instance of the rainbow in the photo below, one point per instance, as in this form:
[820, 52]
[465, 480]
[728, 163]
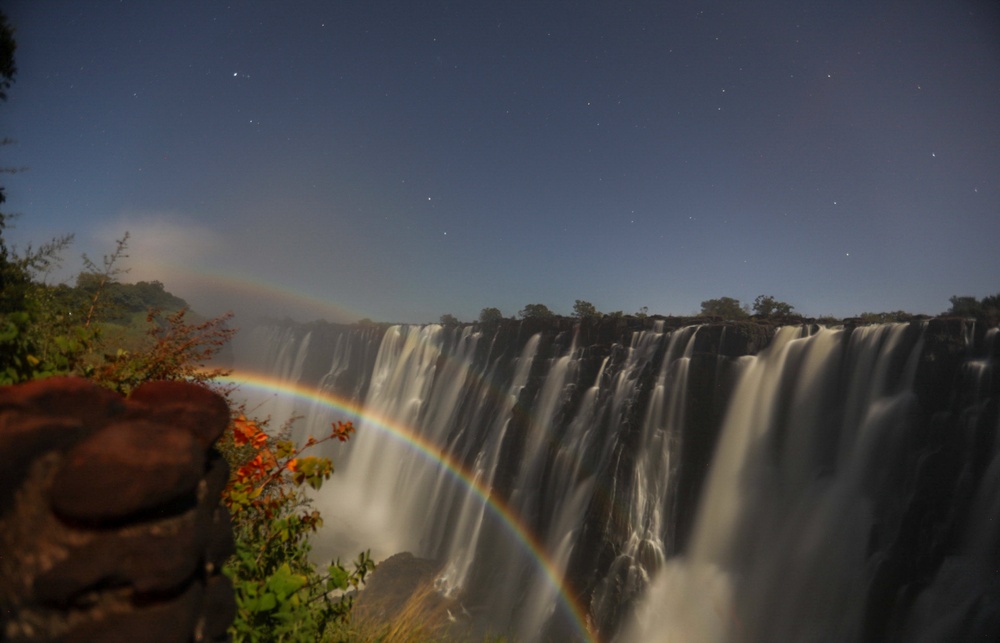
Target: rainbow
[183, 280]
[430, 451]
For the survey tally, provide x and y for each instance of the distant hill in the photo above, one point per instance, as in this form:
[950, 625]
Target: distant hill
[118, 302]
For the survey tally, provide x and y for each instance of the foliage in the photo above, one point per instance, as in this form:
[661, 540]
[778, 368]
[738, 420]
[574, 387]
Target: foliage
[20, 271]
[179, 351]
[280, 594]
[8, 276]
[50, 330]
[535, 311]
[768, 306]
[38, 338]
[963, 306]
[725, 307]
[120, 301]
[102, 277]
[490, 315]
[7, 47]
[449, 320]
[584, 309]
[885, 318]
[987, 308]
[27, 352]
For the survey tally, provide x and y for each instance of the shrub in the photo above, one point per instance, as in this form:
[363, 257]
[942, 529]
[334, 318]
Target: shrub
[725, 307]
[280, 593]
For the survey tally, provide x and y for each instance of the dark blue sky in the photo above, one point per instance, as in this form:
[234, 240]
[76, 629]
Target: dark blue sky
[399, 161]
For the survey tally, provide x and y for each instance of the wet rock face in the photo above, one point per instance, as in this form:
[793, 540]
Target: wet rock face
[110, 523]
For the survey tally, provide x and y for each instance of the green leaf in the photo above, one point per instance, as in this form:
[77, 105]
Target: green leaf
[284, 583]
[266, 602]
[338, 577]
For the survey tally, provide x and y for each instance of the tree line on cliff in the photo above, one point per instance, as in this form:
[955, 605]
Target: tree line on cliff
[764, 307]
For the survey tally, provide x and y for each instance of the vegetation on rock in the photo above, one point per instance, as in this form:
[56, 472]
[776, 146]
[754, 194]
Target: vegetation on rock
[724, 307]
[535, 311]
[584, 309]
[768, 306]
[987, 308]
[490, 315]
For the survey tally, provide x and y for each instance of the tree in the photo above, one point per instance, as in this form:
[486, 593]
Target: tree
[8, 273]
[584, 309]
[177, 350]
[988, 308]
[991, 307]
[535, 311]
[964, 306]
[887, 317]
[490, 315]
[449, 320]
[7, 47]
[768, 306]
[725, 307]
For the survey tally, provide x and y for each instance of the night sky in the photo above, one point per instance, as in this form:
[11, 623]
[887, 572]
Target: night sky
[401, 160]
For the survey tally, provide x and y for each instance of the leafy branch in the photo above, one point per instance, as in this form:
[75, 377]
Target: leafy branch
[278, 589]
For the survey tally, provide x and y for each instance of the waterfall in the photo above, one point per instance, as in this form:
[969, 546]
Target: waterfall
[952, 606]
[719, 483]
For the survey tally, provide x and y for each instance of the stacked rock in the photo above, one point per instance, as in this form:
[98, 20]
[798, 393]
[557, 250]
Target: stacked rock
[110, 522]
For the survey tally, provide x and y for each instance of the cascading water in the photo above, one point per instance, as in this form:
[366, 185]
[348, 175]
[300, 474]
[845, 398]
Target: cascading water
[646, 499]
[800, 493]
[953, 606]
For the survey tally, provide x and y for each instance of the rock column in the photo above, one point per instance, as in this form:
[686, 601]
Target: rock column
[110, 522]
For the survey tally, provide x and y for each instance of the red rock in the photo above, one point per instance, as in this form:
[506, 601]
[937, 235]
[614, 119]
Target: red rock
[143, 560]
[126, 468]
[172, 621]
[199, 410]
[22, 437]
[220, 544]
[110, 515]
[219, 608]
[72, 397]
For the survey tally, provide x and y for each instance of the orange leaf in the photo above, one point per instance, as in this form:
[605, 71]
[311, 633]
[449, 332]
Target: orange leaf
[245, 430]
[343, 430]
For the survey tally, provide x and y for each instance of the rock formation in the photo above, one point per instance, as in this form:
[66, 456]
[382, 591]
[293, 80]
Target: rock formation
[110, 523]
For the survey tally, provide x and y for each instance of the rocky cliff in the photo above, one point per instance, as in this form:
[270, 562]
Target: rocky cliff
[110, 523]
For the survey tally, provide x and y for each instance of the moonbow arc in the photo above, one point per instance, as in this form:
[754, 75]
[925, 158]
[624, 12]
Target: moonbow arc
[531, 544]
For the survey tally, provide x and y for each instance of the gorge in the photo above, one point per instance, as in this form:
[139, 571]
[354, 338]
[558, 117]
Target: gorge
[651, 479]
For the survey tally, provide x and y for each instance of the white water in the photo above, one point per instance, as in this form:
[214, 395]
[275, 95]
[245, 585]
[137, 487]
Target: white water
[804, 479]
[778, 552]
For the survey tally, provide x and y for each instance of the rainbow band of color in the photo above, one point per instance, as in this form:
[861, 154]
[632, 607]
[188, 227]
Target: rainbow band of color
[431, 451]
